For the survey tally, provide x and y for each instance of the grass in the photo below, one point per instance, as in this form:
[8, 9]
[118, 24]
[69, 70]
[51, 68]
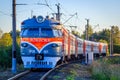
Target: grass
[72, 75]
[106, 69]
[56, 77]
[19, 67]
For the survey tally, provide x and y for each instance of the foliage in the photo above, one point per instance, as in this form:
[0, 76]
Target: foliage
[6, 39]
[116, 34]
[17, 33]
[72, 75]
[6, 50]
[4, 58]
[106, 69]
[90, 32]
[112, 60]
[1, 32]
[56, 77]
[76, 33]
[102, 35]
[103, 41]
[116, 48]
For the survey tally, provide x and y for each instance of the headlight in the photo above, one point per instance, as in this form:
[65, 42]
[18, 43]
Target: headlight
[24, 44]
[23, 53]
[55, 45]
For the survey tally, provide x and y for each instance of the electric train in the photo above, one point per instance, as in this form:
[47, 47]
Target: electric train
[45, 42]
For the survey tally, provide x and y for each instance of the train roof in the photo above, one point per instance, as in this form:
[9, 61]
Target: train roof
[39, 21]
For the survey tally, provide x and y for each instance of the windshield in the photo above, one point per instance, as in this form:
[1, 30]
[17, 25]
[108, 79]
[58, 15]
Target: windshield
[46, 32]
[41, 32]
[31, 32]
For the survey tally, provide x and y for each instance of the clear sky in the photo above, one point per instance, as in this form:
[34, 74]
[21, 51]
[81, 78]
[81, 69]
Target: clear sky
[103, 12]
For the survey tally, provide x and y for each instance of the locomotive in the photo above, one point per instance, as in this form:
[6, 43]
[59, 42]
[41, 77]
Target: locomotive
[45, 42]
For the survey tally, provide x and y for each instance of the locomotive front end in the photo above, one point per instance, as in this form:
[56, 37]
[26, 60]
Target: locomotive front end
[41, 43]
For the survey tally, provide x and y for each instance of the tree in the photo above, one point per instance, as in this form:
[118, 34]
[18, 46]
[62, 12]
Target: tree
[76, 33]
[116, 34]
[17, 33]
[103, 41]
[90, 32]
[6, 39]
[6, 50]
[1, 32]
[104, 35]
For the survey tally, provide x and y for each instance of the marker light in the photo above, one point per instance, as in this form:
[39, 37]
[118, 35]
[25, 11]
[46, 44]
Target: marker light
[40, 19]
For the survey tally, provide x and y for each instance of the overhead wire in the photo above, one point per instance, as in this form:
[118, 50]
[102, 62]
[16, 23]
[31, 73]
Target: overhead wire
[49, 6]
[77, 18]
[5, 14]
[63, 9]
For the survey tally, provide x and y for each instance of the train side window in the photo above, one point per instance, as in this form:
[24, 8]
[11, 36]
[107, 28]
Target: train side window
[60, 33]
[57, 33]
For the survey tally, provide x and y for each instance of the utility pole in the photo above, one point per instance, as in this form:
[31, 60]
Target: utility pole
[86, 30]
[14, 36]
[111, 40]
[58, 12]
[14, 69]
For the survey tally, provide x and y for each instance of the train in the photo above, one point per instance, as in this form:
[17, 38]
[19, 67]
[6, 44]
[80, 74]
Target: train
[45, 42]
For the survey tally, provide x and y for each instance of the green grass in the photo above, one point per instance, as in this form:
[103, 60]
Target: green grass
[106, 69]
[70, 77]
[56, 77]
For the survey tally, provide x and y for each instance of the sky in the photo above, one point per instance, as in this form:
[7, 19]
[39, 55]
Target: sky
[106, 13]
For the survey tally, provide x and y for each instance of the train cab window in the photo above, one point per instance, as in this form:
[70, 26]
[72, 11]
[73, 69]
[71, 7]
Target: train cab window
[46, 32]
[30, 32]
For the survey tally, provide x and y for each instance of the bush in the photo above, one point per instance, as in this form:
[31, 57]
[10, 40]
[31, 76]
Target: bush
[116, 48]
[113, 60]
[5, 59]
[6, 56]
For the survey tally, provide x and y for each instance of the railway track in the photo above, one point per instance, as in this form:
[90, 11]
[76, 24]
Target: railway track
[36, 75]
[33, 75]
[29, 75]
[45, 75]
[59, 67]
